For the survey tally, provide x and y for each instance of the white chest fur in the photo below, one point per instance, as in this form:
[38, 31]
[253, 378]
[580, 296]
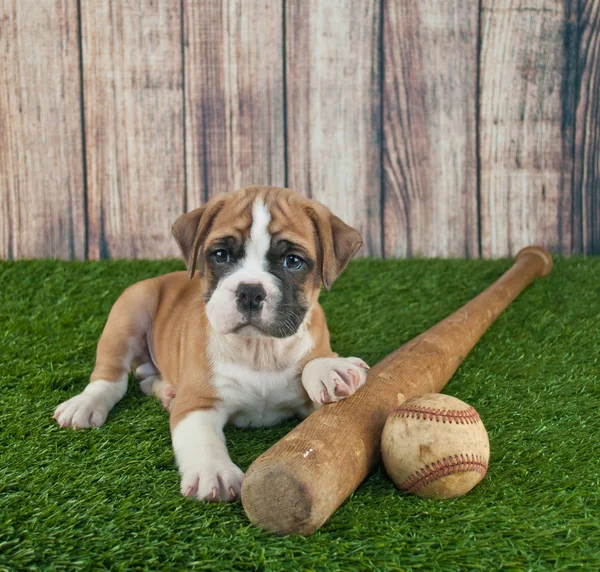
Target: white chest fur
[259, 379]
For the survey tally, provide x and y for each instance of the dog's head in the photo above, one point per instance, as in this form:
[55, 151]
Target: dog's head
[262, 254]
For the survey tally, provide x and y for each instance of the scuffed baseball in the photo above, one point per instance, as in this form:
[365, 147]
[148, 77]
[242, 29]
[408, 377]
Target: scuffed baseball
[435, 446]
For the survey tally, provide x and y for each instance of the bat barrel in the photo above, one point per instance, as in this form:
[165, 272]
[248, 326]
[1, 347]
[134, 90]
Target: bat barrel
[297, 484]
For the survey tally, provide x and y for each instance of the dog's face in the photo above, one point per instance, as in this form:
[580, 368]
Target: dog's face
[263, 254]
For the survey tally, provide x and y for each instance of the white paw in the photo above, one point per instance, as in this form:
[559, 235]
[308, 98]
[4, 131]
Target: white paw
[145, 370]
[156, 386]
[212, 481]
[328, 380]
[90, 408]
[82, 411]
[147, 384]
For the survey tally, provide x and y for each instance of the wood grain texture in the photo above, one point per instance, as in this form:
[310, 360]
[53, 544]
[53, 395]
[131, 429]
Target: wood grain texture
[587, 129]
[41, 157]
[429, 119]
[526, 127]
[133, 97]
[333, 112]
[234, 96]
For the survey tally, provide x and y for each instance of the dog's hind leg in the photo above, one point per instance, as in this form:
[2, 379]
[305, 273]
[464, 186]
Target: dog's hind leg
[159, 388]
[123, 342]
[146, 370]
[151, 383]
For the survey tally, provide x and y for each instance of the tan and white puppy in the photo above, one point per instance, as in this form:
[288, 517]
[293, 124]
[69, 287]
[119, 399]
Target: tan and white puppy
[246, 343]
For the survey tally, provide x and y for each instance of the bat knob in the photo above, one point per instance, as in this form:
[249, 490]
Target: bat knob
[541, 253]
[277, 500]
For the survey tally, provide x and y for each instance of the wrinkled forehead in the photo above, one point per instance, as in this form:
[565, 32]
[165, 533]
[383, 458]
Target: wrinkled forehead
[275, 220]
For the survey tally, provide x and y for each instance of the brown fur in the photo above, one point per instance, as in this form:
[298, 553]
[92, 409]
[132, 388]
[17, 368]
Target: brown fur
[166, 315]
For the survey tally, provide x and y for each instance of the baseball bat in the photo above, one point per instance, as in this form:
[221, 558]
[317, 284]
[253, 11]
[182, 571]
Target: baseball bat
[295, 486]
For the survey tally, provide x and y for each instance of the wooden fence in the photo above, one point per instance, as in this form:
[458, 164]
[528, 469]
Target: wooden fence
[457, 128]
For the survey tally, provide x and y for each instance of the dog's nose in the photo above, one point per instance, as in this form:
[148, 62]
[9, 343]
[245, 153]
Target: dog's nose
[250, 296]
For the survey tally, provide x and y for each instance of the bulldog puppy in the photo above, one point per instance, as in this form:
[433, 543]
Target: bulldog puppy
[244, 342]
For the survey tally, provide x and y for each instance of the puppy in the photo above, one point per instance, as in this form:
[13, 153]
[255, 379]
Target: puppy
[244, 342]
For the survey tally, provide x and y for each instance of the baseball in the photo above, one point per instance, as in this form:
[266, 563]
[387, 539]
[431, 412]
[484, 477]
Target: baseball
[435, 446]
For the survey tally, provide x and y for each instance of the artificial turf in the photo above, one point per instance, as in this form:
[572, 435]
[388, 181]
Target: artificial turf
[109, 497]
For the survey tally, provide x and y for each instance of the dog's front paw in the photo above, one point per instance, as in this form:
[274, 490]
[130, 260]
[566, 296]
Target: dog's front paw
[212, 481]
[327, 380]
[82, 411]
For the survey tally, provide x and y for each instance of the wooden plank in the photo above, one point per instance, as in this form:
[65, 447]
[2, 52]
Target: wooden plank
[233, 96]
[333, 112]
[133, 94]
[41, 157]
[526, 127]
[587, 144]
[430, 126]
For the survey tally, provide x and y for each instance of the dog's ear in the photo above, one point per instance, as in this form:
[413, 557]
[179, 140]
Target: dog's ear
[191, 229]
[338, 243]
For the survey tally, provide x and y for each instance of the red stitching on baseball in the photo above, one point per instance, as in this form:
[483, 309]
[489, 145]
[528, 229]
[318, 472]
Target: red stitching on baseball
[443, 468]
[462, 416]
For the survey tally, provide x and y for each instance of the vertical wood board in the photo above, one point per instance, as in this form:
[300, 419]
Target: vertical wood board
[526, 127]
[587, 143]
[41, 157]
[333, 109]
[430, 129]
[133, 96]
[234, 96]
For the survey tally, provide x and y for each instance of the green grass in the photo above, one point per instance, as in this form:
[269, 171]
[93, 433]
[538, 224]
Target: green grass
[109, 498]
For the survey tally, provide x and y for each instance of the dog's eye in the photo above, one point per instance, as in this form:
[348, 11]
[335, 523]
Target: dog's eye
[220, 256]
[293, 262]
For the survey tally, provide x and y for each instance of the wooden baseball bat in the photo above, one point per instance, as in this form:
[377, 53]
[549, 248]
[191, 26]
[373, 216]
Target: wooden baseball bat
[297, 484]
